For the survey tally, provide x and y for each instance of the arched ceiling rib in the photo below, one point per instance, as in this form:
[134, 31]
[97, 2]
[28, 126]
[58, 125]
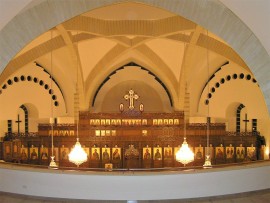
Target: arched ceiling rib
[130, 33]
[72, 50]
[220, 48]
[129, 27]
[31, 55]
[144, 49]
[99, 72]
[59, 41]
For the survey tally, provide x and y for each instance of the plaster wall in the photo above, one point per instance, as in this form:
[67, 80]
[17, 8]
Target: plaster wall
[134, 185]
[229, 95]
[150, 92]
[31, 93]
[225, 24]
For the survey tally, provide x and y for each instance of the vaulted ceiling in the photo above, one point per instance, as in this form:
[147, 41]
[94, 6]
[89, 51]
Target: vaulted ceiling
[91, 48]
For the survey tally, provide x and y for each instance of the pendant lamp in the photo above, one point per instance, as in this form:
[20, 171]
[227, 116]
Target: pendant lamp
[52, 162]
[77, 154]
[207, 163]
[184, 155]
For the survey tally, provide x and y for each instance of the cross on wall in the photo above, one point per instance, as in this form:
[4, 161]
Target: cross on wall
[246, 122]
[18, 121]
[131, 96]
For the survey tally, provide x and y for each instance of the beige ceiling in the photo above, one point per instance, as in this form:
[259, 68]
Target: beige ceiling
[102, 40]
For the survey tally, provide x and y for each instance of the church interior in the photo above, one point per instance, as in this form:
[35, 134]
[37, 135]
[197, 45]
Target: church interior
[131, 82]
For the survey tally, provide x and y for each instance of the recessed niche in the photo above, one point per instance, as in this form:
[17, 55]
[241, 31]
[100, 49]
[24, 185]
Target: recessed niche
[253, 80]
[228, 78]
[206, 102]
[16, 79]
[222, 80]
[248, 77]
[50, 91]
[54, 97]
[22, 78]
[56, 103]
[46, 86]
[209, 95]
[35, 80]
[4, 86]
[41, 82]
[9, 82]
[213, 89]
[29, 78]
[235, 76]
[217, 85]
[241, 75]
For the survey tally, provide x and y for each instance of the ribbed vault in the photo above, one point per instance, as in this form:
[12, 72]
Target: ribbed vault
[131, 35]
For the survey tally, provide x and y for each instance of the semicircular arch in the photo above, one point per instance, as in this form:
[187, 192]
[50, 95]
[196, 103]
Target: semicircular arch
[97, 81]
[148, 96]
[247, 48]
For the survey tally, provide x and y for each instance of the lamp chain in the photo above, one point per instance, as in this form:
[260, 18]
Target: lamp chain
[208, 119]
[207, 163]
[77, 89]
[52, 162]
[52, 121]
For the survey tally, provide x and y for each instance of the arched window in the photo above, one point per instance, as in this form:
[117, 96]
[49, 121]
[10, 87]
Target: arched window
[238, 117]
[25, 118]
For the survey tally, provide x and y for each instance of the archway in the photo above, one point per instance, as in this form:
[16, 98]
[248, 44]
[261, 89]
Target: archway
[223, 21]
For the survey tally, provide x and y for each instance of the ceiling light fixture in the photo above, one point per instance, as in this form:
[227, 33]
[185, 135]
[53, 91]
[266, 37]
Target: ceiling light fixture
[77, 154]
[184, 155]
[52, 163]
[207, 163]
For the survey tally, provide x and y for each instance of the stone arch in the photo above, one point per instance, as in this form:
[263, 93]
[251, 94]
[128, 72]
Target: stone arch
[225, 24]
[170, 82]
[238, 117]
[110, 104]
[26, 117]
[33, 116]
[233, 114]
[32, 110]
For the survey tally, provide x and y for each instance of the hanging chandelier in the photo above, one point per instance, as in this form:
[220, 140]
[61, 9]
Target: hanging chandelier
[207, 163]
[77, 154]
[52, 164]
[184, 155]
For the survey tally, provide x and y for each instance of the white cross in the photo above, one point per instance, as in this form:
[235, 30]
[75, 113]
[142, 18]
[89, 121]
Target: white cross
[131, 96]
